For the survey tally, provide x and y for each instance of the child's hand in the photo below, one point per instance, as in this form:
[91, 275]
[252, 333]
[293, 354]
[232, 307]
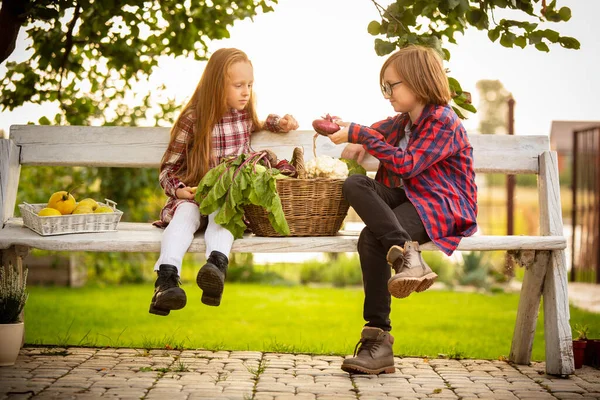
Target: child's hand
[340, 136]
[354, 151]
[288, 123]
[186, 193]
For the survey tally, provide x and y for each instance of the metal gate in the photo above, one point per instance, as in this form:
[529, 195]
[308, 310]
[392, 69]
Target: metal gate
[585, 253]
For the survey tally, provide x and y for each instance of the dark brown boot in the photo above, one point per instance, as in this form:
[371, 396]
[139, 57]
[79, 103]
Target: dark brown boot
[167, 293]
[412, 272]
[375, 354]
[211, 278]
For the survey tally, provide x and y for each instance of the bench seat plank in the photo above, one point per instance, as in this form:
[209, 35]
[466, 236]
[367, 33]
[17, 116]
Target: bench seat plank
[143, 237]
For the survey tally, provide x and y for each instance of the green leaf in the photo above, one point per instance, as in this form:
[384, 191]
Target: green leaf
[551, 35]
[458, 112]
[474, 16]
[569, 43]
[494, 34]
[44, 121]
[454, 85]
[374, 28]
[541, 46]
[565, 13]
[521, 41]
[383, 48]
[508, 39]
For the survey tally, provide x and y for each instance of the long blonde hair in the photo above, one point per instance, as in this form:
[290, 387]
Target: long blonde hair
[209, 104]
[421, 70]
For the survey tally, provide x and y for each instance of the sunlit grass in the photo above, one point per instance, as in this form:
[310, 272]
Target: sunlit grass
[279, 319]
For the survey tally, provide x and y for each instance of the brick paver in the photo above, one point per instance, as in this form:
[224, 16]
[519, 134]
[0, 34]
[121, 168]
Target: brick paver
[88, 373]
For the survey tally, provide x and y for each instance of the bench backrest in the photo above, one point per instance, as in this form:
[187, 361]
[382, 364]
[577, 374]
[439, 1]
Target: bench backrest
[144, 147]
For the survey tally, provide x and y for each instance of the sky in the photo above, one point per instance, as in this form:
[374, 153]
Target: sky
[313, 57]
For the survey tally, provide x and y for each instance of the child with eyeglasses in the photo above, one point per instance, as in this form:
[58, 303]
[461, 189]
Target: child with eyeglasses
[424, 190]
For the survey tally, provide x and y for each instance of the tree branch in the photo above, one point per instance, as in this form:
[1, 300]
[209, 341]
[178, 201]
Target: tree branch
[380, 8]
[68, 47]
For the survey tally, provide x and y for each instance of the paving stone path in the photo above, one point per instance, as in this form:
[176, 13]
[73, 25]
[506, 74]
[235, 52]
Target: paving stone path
[90, 373]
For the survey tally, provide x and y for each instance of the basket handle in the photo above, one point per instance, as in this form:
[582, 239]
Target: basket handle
[111, 203]
[28, 206]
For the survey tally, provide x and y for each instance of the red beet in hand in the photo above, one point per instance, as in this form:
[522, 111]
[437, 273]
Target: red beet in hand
[325, 126]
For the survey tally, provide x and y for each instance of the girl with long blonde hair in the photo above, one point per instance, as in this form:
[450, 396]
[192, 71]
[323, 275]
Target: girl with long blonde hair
[217, 122]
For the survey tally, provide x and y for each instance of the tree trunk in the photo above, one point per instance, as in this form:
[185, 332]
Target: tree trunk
[11, 19]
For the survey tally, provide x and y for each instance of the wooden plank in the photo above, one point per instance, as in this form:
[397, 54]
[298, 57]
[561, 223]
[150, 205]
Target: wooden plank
[10, 171]
[559, 347]
[143, 237]
[144, 147]
[529, 304]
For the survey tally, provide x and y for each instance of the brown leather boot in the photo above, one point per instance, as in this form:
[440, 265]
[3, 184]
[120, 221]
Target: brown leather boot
[375, 355]
[412, 272]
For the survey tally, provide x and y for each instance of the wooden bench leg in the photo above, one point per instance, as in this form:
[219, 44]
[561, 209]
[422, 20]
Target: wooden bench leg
[536, 265]
[559, 342]
[545, 274]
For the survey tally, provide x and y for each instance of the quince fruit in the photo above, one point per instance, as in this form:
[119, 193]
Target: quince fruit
[63, 202]
[84, 209]
[93, 204]
[47, 212]
[103, 209]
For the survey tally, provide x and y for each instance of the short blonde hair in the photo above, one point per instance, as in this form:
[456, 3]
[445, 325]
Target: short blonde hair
[421, 70]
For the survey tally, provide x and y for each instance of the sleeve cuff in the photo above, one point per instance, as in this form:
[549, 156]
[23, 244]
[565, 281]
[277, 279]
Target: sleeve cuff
[354, 133]
[177, 184]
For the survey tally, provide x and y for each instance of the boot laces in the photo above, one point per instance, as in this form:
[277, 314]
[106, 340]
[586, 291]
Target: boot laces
[401, 261]
[369, 345]
[168, 280]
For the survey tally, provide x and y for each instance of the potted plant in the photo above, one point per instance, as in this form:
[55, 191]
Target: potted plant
[580, 344]
[12, 301]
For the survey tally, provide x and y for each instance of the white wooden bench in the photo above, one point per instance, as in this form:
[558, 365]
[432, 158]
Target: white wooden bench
[543, 256]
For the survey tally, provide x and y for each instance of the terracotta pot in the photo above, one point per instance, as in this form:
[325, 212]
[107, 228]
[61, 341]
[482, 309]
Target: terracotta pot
[11, 339]
[579, 352]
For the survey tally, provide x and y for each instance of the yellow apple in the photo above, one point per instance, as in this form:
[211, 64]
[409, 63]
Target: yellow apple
[63, 202]
[47, 212]
[103, 209]
[93, 204]
[84, 209]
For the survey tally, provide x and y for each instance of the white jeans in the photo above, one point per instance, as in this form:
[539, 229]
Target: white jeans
[179, 234]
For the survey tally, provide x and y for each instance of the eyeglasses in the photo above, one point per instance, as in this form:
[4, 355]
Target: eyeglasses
[387, 88]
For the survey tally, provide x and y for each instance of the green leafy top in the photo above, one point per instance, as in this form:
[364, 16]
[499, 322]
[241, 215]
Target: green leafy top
[237, 182]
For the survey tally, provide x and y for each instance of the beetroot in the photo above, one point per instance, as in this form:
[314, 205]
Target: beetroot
[285, 168]
[325, 126]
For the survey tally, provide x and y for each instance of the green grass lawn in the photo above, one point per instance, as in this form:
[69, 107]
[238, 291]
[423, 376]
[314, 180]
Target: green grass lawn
[280, 319]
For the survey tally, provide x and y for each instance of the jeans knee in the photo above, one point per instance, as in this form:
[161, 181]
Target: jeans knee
[354, 184]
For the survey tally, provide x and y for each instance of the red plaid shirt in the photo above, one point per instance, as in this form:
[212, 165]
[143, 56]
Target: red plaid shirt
[230, 136]
[436, 168]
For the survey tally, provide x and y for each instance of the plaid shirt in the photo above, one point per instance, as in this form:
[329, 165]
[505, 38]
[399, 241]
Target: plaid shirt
[436, 168]
[230, 136]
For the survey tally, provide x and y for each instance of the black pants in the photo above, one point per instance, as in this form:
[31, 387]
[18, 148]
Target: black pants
[390, 219]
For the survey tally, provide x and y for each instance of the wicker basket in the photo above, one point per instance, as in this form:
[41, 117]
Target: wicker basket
[312, 207]
[64, 224]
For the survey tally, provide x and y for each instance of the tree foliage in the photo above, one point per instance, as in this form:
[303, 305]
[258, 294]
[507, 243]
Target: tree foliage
[87, 56]
[493, 106]
[435, 22]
